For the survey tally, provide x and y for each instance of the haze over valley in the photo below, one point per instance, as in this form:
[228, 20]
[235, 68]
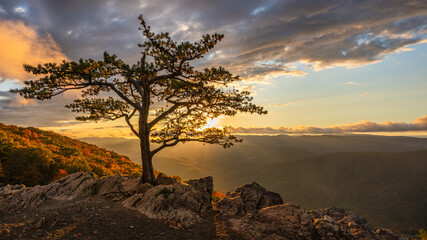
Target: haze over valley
[381, 177]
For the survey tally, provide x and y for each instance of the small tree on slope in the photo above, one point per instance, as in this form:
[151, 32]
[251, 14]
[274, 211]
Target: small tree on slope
[183, 98]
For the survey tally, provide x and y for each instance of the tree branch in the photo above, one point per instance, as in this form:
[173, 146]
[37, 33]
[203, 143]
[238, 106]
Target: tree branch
[164, 114]
[128, 117]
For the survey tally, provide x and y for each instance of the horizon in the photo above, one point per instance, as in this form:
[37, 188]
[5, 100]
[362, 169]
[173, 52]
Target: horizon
[318, 68]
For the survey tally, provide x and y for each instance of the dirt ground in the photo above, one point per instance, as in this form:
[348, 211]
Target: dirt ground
[97, 218]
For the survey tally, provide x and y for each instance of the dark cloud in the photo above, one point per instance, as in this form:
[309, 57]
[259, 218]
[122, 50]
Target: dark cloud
[15, 109]
[263, 38]
[419, 124]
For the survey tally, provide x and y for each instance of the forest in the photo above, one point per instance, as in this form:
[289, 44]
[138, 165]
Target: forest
[31, 156]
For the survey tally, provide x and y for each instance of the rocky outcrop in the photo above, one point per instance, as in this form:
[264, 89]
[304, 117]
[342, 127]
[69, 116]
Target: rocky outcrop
[248, 198]
[118, 188]
[70, 187]
[286, 220]
[290, 221]
[181, 202]
[256, 213]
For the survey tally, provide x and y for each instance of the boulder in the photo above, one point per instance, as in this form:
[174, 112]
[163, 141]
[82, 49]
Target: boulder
[118, 188]
[72, 186]
[75, 185]
[290, 221]
[387, 234]
[181, 202]
[248, 198]
[163, 179]
[327, 228]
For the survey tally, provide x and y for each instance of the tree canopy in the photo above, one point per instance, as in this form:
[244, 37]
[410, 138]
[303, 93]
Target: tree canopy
[170, 98]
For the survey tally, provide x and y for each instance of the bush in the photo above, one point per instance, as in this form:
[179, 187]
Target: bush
[422, 235]
[29, 166]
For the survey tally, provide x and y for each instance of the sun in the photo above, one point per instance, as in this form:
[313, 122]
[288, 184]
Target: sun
[211, 123]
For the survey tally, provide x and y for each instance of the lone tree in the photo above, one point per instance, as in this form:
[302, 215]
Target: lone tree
[171, 99]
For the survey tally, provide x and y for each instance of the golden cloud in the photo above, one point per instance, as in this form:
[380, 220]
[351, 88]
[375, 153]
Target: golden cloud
[20, 43]
[419, 124]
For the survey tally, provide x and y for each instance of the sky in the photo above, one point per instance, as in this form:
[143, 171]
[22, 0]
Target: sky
[318, 67]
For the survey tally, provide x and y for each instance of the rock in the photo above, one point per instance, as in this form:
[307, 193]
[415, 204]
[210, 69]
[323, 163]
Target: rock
[327, 228]
[182, 202]
[274, 237]
[116, 188]
[52, 219]
[10, 189]
[387, 234]
[132, 201]
[72, 186]
[286, 220]
[48, 222]
[163, 179]
[142, 188]
[357, 226]
[248, 198]
[290, 221]
[40, 223]
[76, 185]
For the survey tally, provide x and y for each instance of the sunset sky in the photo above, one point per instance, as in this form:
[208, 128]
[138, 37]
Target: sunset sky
[319, 67]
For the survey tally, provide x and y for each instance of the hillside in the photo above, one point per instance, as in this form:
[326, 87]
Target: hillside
[31, 156]
[383, 178]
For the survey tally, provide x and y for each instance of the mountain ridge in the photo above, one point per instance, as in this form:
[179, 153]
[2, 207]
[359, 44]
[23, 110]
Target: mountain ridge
[310, 171]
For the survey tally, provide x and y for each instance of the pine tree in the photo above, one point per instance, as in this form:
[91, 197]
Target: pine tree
[163, 81]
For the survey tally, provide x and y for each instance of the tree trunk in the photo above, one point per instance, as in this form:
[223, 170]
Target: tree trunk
[144, 137]
[147, 164]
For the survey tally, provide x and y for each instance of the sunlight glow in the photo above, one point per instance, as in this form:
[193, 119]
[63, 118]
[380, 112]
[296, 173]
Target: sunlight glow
[211, 123]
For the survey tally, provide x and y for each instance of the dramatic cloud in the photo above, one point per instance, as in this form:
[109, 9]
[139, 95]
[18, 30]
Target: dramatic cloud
[15, 109]
[419, 124]
[2, 11]
[263, 38]
[20, 43]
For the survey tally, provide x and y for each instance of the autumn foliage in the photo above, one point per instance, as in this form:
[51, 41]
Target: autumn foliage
[32, 156]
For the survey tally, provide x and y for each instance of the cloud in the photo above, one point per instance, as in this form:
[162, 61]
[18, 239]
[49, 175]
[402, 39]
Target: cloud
[280, 104]
[15, 109]
[264, 71]
[263, 39]
[20, 43]
[419, 124]
[320, 34]
[19, 10]
[2, 11]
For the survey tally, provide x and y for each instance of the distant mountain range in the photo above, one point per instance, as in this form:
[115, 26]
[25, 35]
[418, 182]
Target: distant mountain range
[383, 178]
